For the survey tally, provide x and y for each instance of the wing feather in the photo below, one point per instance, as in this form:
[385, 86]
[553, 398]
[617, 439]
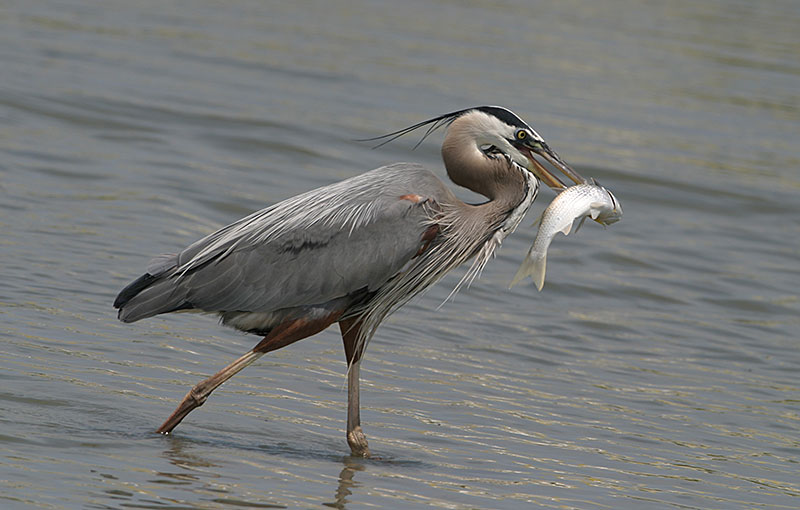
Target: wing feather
[310, 249]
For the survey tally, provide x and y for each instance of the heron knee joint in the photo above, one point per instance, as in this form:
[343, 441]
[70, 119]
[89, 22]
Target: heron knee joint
[197, 397]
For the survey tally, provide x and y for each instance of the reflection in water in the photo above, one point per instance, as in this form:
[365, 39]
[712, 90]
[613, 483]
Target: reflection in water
[351, 465]
[179, 454]
[182, 453]
[203, 481]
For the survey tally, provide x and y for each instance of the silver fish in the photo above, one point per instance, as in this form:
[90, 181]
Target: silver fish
[576, 202]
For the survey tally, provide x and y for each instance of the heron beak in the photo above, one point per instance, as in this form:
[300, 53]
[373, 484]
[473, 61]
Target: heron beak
[546, 176]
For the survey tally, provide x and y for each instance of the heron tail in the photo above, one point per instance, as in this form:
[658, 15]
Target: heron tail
[151, 294]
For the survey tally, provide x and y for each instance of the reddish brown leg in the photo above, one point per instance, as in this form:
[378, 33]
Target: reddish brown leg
[281, 336]
[355, 436]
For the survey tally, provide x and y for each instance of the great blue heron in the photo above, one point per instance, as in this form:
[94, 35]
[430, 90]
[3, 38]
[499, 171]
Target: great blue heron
[354, 251]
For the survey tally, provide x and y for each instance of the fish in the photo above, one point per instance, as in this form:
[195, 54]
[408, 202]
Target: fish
[587, 200]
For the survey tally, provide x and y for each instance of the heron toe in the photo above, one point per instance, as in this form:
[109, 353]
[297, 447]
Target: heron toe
[358, 442]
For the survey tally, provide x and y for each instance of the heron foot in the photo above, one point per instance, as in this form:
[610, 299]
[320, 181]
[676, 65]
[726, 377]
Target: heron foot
[358, 442]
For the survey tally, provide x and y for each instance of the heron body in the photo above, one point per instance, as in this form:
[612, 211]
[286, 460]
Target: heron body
[354, 251]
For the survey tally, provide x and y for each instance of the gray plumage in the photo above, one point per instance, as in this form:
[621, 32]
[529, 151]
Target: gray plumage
[325, 244]
[353, 251]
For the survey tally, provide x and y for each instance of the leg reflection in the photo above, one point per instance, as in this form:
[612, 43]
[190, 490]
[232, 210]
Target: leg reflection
[346, 481]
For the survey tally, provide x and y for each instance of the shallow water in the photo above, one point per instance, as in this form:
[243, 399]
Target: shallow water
[657, 369]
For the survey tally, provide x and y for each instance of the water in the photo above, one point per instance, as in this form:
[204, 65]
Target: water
[657, 369]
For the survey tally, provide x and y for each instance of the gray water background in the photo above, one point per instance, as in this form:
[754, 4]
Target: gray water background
[659, 368]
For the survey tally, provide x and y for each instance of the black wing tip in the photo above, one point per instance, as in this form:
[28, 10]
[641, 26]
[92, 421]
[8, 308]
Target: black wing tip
[132, 289]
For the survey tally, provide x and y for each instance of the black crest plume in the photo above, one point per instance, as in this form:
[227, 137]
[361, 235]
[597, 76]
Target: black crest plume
[503, 114]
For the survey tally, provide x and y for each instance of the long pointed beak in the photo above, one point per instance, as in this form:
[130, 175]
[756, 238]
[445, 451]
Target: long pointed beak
[546, 175]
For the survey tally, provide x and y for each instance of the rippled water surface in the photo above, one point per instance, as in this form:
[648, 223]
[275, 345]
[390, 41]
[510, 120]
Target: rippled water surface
[659, 368]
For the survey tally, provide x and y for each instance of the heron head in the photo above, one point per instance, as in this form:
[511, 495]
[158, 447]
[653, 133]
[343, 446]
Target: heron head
[500, 129]
[496, 130]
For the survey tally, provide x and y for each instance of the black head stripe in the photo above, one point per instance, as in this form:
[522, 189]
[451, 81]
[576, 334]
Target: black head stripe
[503, 114]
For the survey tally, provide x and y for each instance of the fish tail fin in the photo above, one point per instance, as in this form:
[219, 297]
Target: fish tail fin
[521, 274]
[538, 270]
[534, 266]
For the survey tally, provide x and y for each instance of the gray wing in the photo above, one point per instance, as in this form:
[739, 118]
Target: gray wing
[310, 249]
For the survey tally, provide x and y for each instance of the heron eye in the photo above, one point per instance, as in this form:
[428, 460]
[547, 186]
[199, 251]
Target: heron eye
[521, 134]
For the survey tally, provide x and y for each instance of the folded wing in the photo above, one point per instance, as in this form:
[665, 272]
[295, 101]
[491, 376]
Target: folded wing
[329, 243]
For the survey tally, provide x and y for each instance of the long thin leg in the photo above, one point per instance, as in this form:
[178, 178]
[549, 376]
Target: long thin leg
[355, 436]
[281, 336]
[197, 396]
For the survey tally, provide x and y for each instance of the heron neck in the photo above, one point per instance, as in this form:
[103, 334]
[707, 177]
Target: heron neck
[502, 183]
[504, 195]
[493, 177]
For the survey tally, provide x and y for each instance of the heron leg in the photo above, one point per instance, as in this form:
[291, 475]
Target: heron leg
[355, 436]
[280, 336]
[199, 393]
